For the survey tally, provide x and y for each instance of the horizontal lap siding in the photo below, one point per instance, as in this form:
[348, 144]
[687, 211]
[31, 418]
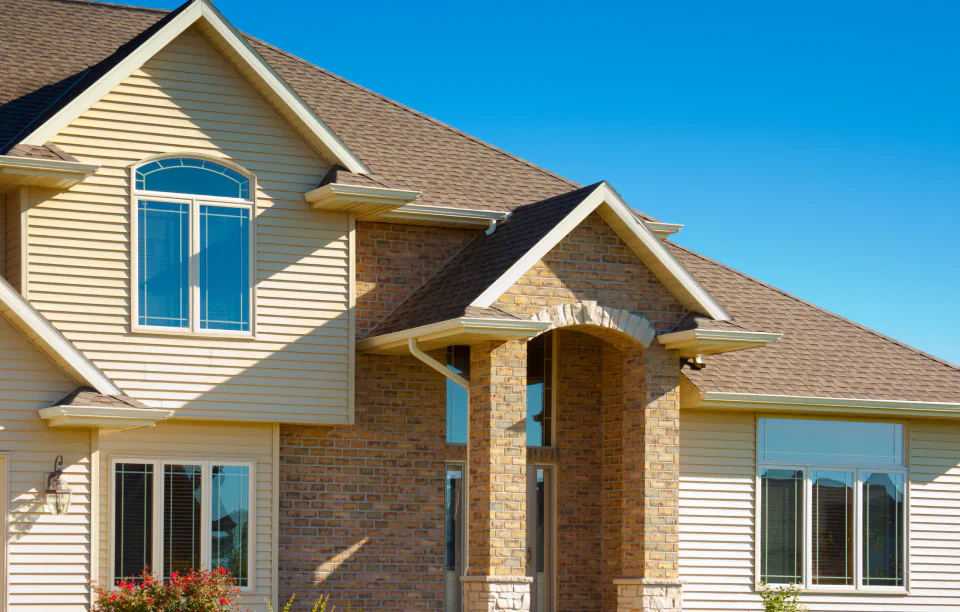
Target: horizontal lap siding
[203, 441]
[189, 98]
[49, 556]
[717, 501]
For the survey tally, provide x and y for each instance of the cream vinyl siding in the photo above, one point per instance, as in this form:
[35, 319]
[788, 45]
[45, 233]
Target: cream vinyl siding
[717, 492]
[200, 440]
[49, 556]
[190, 98]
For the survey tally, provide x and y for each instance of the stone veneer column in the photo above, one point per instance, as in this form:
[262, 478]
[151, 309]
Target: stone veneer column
[497, 506]
[649, 579]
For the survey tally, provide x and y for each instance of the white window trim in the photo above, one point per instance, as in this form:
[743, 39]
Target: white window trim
[194, 202]
[206, 488]
[807, 469]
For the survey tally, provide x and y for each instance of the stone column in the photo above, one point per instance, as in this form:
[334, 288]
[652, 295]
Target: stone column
[649, 579]
[497, 506]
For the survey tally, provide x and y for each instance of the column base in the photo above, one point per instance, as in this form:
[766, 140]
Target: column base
[649, 595]
[493, 593]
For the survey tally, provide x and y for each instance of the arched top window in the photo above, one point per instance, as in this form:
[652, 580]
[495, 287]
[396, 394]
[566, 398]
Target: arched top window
[192, 176]
[193, 234]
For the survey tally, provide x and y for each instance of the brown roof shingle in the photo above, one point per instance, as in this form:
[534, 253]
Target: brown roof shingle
[449, 292]
[820, 354]
[86, 396]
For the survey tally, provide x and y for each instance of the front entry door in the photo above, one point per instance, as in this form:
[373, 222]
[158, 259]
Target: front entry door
[540, 536]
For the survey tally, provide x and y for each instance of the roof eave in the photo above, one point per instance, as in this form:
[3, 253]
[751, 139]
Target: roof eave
[364, 202]
[462, 330]
[824, 405]
[103, 417]
[58, 174]
[700, 342]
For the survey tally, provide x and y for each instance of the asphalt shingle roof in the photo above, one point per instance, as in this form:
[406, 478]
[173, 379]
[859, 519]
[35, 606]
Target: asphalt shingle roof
[86, 396]
[51, 49]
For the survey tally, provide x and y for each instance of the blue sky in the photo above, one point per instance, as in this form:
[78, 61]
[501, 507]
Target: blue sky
[814, 145]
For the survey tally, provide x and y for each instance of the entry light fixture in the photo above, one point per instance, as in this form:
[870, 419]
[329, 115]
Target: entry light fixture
[58, 494]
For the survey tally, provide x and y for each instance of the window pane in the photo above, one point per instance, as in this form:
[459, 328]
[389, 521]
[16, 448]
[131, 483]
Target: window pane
[230, 512]
[883, 525]
[192, 176]
[781, 531]
[539, 390]
[454, 539]
[224, 268]
[808, 441]
[133, 519]
[833, 528]
[458, 360]
[181, 518]
[163, 254]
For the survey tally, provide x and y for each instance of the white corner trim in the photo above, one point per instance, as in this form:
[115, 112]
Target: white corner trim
[710, 342]
[696, 296]
[42, 332]
[663, 230]
[760, 402]
[198, 10]
[494, 328]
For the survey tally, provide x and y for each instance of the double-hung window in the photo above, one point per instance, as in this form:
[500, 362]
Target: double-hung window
[832, 504]
[193, 235]
[173, 516]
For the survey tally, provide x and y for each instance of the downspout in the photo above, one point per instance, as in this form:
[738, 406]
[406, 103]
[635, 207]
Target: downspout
[463, 382]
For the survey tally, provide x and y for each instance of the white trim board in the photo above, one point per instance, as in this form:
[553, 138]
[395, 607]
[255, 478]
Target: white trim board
[201, 11]
[42, 334]
[638, 237]
[800, 403]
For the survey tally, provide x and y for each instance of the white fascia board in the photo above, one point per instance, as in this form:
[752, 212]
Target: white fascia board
[198, 10]
[693, 295]
[451, 327]
[48, 338]
[102, 416]
[358, 193]
[709, 342]
[444, 214]
[799, 403]
[663, 230]
[47, 167]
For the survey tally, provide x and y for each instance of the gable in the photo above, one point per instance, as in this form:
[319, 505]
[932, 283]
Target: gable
[190, 99]
[593, 263]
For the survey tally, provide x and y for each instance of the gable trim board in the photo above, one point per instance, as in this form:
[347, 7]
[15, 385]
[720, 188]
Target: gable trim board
[42, 334]
[826, 405]
[201, 11]
[638, 237]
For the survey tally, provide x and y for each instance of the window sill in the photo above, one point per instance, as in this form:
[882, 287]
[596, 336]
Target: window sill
[868, 591]
[187, 333]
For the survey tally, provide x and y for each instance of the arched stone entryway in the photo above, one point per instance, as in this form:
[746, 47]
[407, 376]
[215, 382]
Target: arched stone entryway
[618, 326]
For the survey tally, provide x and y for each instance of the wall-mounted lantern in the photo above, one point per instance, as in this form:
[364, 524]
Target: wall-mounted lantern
[58, 493]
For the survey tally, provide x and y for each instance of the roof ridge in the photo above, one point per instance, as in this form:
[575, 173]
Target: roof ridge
[874, 332]
[415, 112]
[112, 5]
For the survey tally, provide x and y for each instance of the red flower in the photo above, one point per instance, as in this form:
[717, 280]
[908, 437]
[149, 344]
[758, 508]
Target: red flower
[131, 586]
[223, 600]
[122, 584]
[173, 575]
[112, 597]
[223, 571]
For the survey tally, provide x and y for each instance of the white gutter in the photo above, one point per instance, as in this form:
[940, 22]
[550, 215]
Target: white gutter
[46, 167]
[760, 402]
[463, 382]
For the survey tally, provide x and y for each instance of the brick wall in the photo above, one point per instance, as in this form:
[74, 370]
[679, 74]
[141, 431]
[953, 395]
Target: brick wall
[593, 263]
[579, 459]
[361, 507]
[393, 260]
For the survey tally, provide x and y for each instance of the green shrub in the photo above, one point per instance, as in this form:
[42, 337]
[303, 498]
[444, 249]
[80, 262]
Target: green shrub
[781, 599]
[196, 591]
[321, 605]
